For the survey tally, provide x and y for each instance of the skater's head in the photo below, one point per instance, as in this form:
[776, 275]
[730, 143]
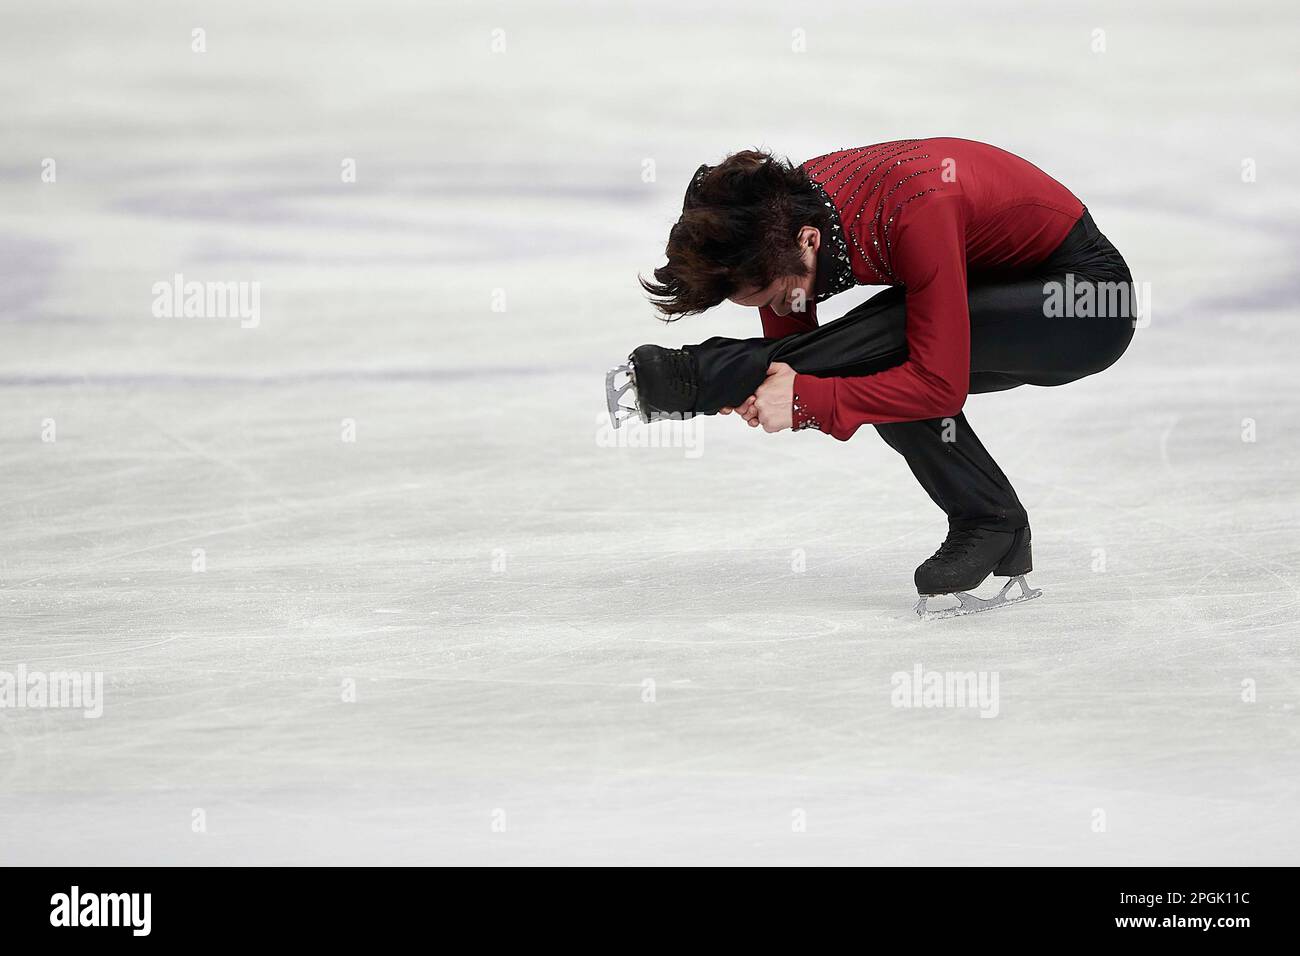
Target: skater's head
[749, 231]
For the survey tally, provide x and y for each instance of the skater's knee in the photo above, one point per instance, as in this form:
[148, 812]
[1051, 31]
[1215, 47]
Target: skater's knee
[1106, 350]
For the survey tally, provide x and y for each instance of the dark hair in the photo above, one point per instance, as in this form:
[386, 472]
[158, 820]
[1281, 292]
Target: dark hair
[737, 231]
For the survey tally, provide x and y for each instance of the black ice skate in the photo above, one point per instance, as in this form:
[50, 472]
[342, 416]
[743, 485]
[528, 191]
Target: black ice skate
[964, 560]
[662, 382]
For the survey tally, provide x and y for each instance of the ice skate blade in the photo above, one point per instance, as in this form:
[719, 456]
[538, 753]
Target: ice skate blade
[614, 392]
[970, 604]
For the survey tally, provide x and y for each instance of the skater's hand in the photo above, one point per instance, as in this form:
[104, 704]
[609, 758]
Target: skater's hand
[772, 406]
[743, 409]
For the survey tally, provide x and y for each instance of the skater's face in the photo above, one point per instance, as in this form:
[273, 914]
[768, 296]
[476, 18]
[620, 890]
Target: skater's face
[788, 294]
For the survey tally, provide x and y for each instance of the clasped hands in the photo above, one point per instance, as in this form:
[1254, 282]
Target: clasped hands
[772, 405]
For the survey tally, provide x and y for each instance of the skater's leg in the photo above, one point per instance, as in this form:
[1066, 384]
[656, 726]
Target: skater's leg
[957, 472]
[1072, 318]
[1014, 343]
[869, 338]
[1017, 338]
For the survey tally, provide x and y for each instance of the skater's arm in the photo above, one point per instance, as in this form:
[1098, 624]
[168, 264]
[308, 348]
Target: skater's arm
[779, 326]
[929, 258]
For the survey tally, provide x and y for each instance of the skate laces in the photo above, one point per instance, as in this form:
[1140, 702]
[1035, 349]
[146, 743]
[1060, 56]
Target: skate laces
[958, 543]
[680, 377]
[676, 379]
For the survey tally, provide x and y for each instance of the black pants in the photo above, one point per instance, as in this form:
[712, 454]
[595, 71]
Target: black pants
[1035, 327]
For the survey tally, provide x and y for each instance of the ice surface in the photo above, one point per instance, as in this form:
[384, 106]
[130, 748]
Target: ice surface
[498, 578]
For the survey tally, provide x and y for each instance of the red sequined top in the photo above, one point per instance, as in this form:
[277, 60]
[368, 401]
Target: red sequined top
[923, 214]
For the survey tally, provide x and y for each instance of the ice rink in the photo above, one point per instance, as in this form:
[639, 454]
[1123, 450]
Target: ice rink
[371, 581]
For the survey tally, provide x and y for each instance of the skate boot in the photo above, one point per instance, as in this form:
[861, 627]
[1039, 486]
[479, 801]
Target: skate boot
[964, 560]
[662, 382]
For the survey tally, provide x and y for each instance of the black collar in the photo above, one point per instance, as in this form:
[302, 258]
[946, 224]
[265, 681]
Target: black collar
[834, 271]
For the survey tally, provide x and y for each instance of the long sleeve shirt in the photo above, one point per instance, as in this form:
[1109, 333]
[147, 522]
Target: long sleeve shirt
[923, 214]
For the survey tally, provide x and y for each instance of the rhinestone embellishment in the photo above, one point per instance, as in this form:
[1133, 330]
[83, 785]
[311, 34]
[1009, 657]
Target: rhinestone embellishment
[868, 212]
[842, 278]
[802, 419]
